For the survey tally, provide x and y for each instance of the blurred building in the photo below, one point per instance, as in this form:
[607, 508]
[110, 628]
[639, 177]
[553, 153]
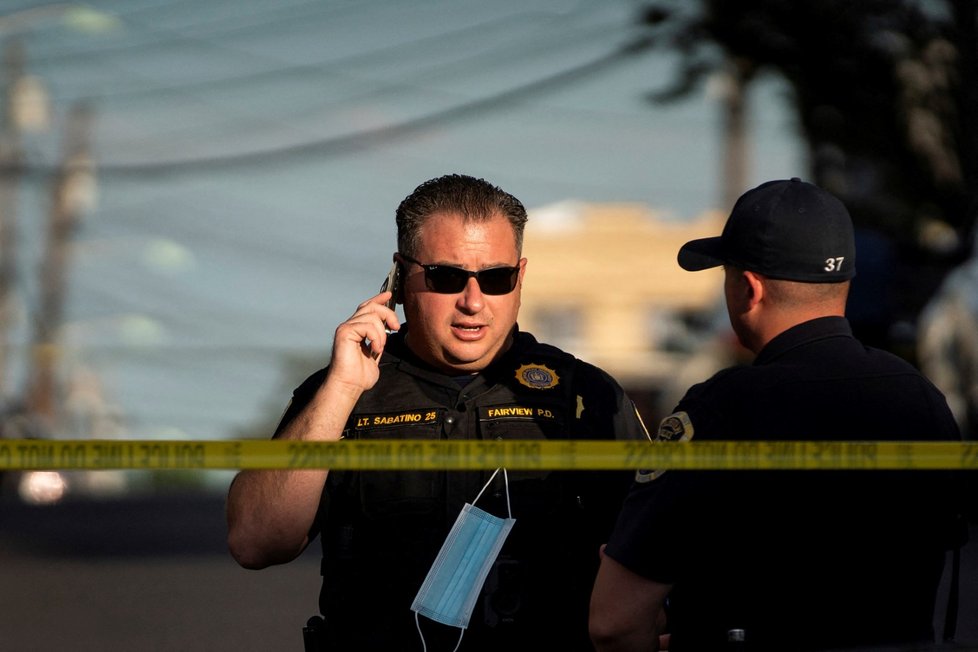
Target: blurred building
[603, 283]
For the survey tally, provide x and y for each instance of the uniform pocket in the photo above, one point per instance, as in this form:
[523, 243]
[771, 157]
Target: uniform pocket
[533, 492]
[402, 494]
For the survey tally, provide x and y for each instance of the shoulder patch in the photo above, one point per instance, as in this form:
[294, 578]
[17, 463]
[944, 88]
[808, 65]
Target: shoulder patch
[537, 376]
[675, 427]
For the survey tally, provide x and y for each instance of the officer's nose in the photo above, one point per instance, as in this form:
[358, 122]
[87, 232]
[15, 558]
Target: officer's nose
[471, 299]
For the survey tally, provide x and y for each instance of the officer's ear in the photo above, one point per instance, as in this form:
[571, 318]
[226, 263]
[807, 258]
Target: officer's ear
[737, 289]
[754, 288]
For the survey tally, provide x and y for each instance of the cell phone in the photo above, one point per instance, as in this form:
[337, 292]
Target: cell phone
[392, 283]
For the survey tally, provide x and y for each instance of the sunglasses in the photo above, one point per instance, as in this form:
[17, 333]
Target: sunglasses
[445, 279]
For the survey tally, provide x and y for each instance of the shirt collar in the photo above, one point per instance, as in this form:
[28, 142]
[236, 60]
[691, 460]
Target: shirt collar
[804, 333]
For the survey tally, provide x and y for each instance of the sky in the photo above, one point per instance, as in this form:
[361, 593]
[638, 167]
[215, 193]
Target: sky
[249, 156]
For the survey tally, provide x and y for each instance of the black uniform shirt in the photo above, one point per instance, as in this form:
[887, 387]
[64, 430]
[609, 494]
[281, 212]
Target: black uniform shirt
[798, 559]
[381, 530]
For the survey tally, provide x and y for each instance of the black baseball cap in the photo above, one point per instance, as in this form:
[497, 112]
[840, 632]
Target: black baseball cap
[787, 229]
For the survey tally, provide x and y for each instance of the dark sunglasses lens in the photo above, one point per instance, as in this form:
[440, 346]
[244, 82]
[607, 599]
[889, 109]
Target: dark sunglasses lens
[500, 280]
[452, 280]
[445, 280]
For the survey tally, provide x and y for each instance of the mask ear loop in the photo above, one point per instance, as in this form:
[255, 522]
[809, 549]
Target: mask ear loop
[417, 623]
[424, 646]
[509, 514]
[509, 509]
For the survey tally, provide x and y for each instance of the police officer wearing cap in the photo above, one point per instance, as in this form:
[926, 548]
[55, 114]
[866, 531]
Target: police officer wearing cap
[784, 560]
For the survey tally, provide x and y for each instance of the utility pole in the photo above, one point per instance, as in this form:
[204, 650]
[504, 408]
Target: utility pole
[11, 166]
[735, 164]
[72, 193]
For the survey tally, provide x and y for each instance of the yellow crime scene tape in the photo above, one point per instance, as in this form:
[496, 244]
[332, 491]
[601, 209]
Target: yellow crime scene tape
[431, 455]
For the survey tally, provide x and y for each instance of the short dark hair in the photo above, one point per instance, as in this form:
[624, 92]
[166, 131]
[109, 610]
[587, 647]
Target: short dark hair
[473, 199]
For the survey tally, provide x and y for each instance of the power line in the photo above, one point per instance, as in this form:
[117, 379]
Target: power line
[487, 30]
[170, 38]
[347, 143]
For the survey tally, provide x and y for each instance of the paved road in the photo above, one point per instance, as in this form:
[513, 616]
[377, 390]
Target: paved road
[145, 574]
[141, 575]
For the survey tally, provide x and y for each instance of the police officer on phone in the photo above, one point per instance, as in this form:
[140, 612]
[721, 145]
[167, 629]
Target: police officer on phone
[458, 369]
[785, 560]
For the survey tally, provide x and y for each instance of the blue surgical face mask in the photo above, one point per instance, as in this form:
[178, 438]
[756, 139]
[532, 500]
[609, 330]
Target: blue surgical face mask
[449, 592]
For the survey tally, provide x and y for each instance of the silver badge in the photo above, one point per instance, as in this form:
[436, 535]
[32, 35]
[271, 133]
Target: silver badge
[674, 428]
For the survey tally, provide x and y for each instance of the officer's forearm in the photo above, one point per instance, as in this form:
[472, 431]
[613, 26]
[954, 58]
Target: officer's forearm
[271, 512]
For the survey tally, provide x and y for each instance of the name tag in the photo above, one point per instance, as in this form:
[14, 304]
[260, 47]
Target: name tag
[517, 412]
[385, 420]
